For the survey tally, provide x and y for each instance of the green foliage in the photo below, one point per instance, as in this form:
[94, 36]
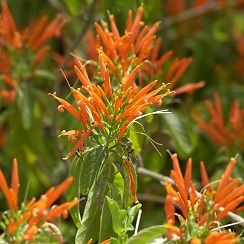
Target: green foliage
[183, 135]
[25, 102]
[119, 9]
[91, 218]
[121, 218]
[74, 6]
[85, 169]
[29, 124]
[147, 235]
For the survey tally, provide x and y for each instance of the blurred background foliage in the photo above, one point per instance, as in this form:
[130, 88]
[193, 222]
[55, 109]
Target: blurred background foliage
[211, 32]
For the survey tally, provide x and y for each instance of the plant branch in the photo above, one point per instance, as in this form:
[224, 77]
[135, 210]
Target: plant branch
[153, 175]
[150, 198]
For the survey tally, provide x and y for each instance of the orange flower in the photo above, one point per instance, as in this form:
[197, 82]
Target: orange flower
[109, 111]
[34, 36]
[132, 181]
[175, 7]
[27, 220]
[202, 210]
[222, 238]
[229, 134]
[138, 49]
[133, 42]
[16, 44]
[104, 242]
[215, 237]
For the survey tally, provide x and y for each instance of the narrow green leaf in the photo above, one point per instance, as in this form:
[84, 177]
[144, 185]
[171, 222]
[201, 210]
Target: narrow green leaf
[118, 216]
[90, 223]
[92, 162]
[115, 191]
[149, 118]
[184, 138]
[74, 190]
[46, 74]
[135, 138]
[147, 235]
[4, 116]
[25, 104]
[117, 187]
[106, 227]
[131, 214]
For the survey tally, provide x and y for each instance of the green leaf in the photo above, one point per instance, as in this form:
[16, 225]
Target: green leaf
[106, 227]
[74, 6]
[4, 116]
[46, 74]
[74, 190]
[184, 138]
[131, 213]
[92, 219]
[118, 216]
[90, 223]
[93, 160]
[85, 170]
[147, 235]
[220, 29]
[114, 190]
[149, 118]
[135, 138]
[114, 241]
[117, 186]
[25, 104]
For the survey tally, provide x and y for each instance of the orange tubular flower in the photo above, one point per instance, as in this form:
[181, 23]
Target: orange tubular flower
[107, 111]
[175, 7]
[222, 238]
[27, 220]
[34, 37]
[11, 194]
[138, 49]
[228, 135]
[132, 181]
[15, 43]
[202, 210]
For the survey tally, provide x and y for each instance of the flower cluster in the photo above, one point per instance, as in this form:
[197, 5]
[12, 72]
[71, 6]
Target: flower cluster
[225, 134]
[111, 107]
[22, 50]
[201, 213]
[24, 223]
[108, 110]
[138, 48]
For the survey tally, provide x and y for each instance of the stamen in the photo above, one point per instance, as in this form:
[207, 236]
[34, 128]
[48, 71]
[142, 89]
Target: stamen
[65, 78]
[92, 120]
